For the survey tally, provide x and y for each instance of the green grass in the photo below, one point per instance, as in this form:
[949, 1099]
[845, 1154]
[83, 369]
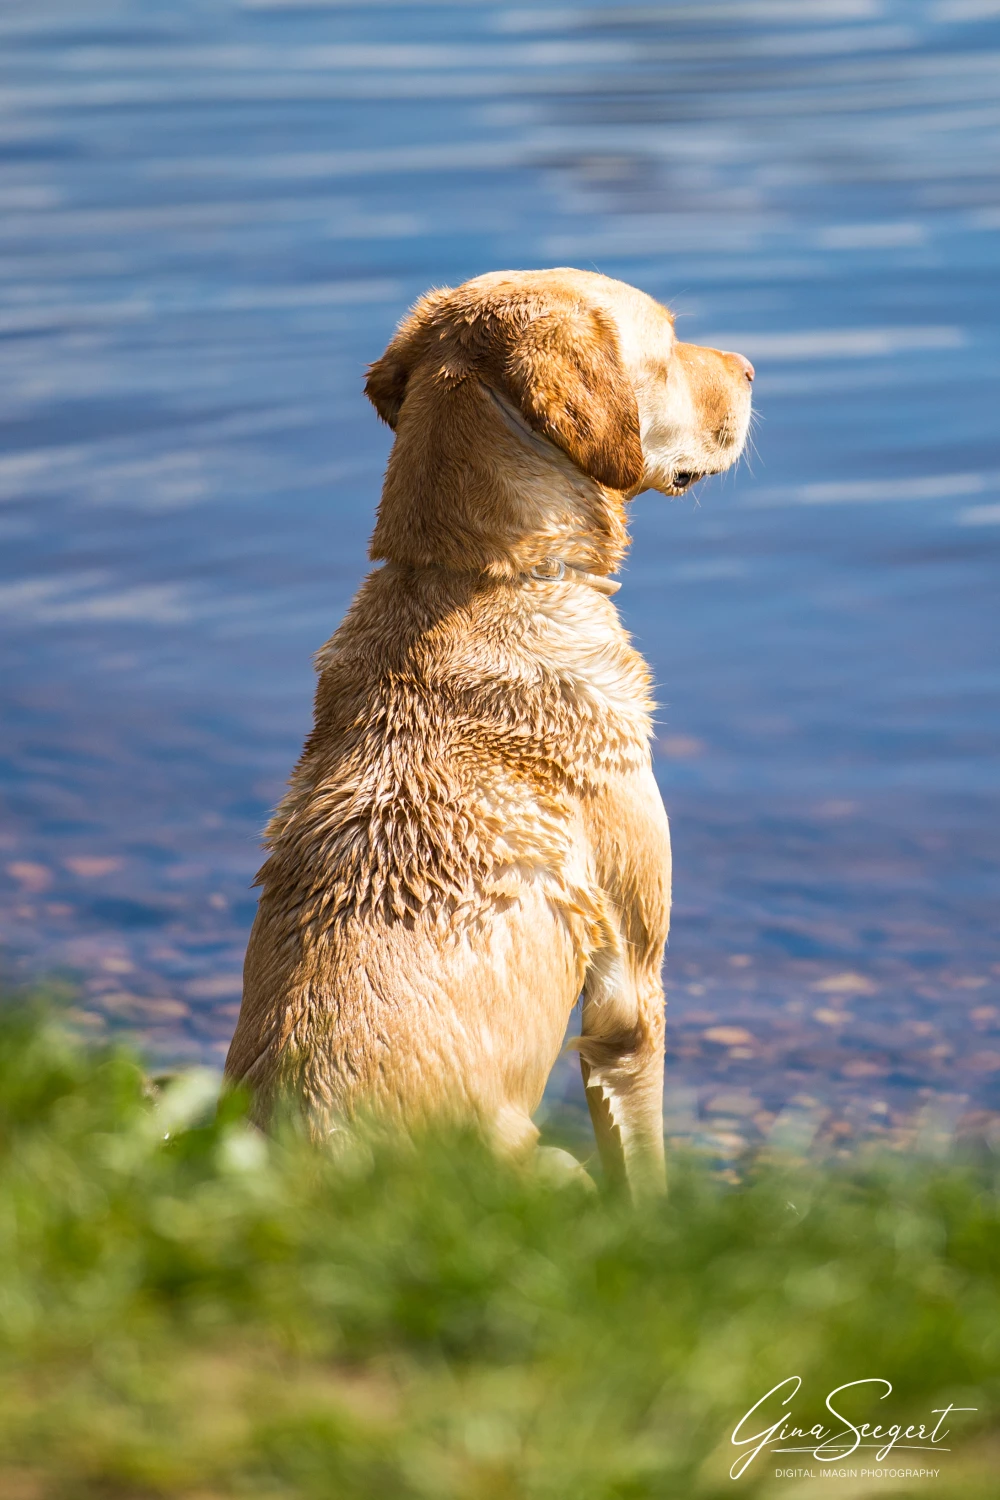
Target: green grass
[209, 1314]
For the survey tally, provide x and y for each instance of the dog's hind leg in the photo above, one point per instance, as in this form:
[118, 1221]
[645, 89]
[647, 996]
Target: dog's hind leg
[621, 1057]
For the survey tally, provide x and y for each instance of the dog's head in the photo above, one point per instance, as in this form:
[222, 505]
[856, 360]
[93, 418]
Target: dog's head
[579, 366]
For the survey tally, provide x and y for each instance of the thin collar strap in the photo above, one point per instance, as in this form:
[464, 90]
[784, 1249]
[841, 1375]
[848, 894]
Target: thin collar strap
[554, 570]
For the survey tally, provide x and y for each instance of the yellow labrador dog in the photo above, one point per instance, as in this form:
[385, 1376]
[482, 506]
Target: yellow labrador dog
[473, 837]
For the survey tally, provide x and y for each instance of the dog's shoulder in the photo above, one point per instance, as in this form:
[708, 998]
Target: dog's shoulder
[524, 673]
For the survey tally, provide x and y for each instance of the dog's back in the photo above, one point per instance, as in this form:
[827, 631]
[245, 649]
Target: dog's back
[428, 910]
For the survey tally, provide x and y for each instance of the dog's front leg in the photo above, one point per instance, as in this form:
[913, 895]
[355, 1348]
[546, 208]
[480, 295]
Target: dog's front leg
[621, 1057]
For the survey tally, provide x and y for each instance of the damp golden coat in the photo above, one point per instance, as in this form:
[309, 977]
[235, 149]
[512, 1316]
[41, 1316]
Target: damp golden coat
[473, 837]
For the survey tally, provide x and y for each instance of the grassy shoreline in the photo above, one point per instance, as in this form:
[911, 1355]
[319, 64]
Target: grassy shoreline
[187, 1310]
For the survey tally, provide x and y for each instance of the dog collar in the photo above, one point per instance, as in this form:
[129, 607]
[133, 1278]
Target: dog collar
[554, 570]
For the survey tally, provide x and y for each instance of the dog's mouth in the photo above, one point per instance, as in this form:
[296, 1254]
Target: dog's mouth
[684, 480]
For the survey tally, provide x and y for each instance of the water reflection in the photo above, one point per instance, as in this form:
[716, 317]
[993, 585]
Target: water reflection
[213, 214]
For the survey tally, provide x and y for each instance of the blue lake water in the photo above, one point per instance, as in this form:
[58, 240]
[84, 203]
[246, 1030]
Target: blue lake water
[214, 213]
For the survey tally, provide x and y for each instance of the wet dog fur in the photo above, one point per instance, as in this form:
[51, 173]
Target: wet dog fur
[473, 838]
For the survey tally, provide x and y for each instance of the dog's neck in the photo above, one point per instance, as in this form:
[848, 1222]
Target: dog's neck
[471, 487]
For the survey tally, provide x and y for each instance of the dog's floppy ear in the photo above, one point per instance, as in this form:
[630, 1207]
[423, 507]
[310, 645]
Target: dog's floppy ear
[565, 371]
[385, 385]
